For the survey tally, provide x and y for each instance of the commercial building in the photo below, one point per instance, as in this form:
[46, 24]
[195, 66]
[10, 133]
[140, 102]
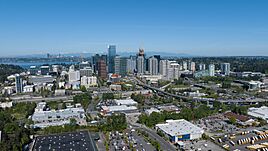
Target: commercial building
[33, 70]
[117, 108]
[6, 104]
[225, 69]
[163, 67]
[37, 80]
[120, 65]
[131, 64]
[151, 110]
[19, 84]
[74, 76]
[261, 112]
[43, 118]
[153, 65]
[125, 102]
[44, 70]
[86, 71]
[111, 55]
[84, 64]
[102, 69]
[88, 81]
[180, 130]
[28, 88]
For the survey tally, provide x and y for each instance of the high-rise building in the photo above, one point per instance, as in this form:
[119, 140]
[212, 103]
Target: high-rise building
[111, 55]
[225, 69]
[120, 64]
[102, 69]
[163, 67]
[173, 70]
[153, 65]
[95, 60]
[140, 64]
[84, 64]
[211, 70]
[33, 70]
[191, 66]
[74, 75]
[44, 70]
[184, 65]
[19, 84]
[86, 71]
[131, 64]
[202, 67]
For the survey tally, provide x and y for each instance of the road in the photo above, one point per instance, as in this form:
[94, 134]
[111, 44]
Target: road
[163, 143]
[39, 99]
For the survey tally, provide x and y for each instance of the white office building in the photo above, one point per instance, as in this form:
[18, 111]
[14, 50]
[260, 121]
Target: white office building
[180, 130]
[74, 76]
[173, 71]
[163, 67]
[131, 64]
[88, 81]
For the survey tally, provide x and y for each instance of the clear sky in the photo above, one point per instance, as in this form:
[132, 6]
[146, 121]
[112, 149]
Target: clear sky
[197, 27]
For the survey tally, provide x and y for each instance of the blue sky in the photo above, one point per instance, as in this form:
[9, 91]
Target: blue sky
[197, 27]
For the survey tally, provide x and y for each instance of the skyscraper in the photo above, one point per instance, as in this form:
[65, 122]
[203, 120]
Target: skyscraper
[153, 65]
[120, 65]
[202, 66]
[102, 71]
[211, 70]
[141, 62]
[131, 64]
[111, 55]
[19, 86]
[191, 66]
[225, 69]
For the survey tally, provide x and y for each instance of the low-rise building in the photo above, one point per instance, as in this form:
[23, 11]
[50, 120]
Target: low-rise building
[151, 110]
[6, 104]
[117, 108]
[115, 87]
[125, 102]
[261, 112]
[28, 88]
[43, 118]
[180, 130]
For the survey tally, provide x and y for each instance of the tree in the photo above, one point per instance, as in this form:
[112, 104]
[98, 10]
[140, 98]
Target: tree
[232, 120]
[83, 88]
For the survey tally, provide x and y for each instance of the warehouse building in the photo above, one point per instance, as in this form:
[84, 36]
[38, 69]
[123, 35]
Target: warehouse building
[180, 130]
[261, 112]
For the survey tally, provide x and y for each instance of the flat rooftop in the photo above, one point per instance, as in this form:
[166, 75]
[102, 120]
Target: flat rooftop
[125, 102]
[179, 127]
[75, 141]
[261, 112]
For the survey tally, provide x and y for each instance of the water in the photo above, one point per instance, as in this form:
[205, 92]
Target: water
[26, 65]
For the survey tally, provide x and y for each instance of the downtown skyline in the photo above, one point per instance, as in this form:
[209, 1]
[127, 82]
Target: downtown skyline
[222, 28]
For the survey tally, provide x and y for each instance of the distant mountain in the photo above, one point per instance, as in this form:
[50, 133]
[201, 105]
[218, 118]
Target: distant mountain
[121, 53]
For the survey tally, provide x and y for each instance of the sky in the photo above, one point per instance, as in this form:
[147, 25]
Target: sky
[195, 27]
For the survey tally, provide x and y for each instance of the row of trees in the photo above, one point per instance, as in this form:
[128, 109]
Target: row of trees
[185, 113]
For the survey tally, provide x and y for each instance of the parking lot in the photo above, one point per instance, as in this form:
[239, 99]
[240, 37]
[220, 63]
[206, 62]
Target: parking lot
[217, 125]
[75, 141]
[128, 141]
[245, 140]
[203, 145]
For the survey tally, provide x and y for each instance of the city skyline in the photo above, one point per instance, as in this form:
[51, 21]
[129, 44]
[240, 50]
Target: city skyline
[210, 28]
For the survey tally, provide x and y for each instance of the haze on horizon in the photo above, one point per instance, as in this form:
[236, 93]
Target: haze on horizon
[207, 27]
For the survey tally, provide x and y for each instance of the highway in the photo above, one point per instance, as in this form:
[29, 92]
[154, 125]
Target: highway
[159, 90]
